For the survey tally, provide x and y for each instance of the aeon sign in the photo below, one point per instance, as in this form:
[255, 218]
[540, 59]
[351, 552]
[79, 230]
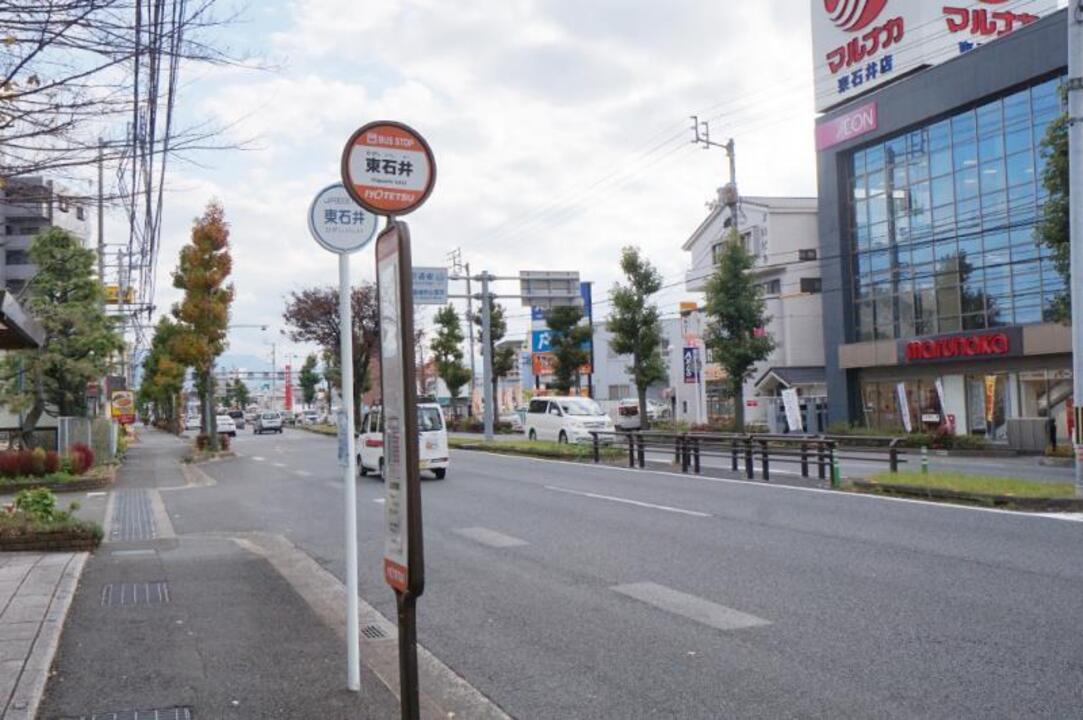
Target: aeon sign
[854, 123]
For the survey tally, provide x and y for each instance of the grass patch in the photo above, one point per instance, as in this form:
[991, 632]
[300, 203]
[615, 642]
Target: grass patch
[537, 448]
[20, 525]
[25, 481]
[976, 484]
[319, 429]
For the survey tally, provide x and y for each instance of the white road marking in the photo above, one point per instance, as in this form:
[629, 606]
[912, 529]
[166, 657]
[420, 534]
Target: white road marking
[492, 538]
[257, 458]
[303, 473]
[628, 501]
[690, 606]
[379, 501]
[279, 465]
[96, 494]
[132, 552]
[1060, 517]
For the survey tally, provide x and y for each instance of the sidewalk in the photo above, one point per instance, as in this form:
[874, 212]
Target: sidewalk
[35, 593]
[193, 626]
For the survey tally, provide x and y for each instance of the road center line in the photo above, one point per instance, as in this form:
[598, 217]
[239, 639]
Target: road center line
[690, 606]
[492, 538]
[628, 501]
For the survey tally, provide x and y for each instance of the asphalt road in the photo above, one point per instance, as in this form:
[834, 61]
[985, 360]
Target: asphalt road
[573, 591]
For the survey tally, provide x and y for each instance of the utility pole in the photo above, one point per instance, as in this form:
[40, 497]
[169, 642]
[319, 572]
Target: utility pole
[463, 269]
[728, 194]
[274, 374]
[1075, 194]
[487, 352]
[101, 211]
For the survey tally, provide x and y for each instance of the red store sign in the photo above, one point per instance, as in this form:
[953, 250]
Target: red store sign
[1004, 343]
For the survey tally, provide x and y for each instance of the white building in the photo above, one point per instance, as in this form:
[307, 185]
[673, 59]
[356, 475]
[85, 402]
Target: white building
[30, 205]
[782, 235]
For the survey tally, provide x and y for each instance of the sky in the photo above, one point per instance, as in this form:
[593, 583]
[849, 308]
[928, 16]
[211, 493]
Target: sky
[560, 131]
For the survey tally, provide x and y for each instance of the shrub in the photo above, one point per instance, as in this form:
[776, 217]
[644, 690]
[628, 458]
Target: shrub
[80, 459]
[38, 504]
[86, 451]
[26, 462]
[203, 441]
[52, 462]
[9, 464]
[223, 441]
[37, 462]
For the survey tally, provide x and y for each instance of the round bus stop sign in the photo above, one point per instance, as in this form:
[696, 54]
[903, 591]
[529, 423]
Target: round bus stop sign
[338, 223]
[388, 168]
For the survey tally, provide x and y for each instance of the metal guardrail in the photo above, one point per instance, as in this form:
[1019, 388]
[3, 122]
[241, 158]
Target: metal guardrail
[689, 449]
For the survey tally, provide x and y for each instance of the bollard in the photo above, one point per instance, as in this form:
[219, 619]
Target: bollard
[749, 470]
[733, 450]
[642, 451]
[893, 454]
[820, 470]
[684, 454]
[676, 448]
[924, 460]
[804, 460]
[631, 450]
[695, 455]
[597, 453]
[764, 461]
[836, 474]
[686, 451]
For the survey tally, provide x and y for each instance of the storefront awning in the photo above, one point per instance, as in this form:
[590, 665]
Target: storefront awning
[18, 330]
[788, 377]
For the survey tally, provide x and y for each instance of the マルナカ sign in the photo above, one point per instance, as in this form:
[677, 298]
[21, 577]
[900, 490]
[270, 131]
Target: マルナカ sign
[338, 223]
[848, 126]
[388, 168]
[859, 44]
[1007, 342]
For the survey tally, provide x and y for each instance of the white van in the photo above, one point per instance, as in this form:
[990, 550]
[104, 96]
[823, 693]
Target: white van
[567, 419]
[432, 441]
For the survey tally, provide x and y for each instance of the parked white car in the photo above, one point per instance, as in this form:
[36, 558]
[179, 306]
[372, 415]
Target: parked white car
[192, 422]
[567, 419]
[226, 425]
[432, 441]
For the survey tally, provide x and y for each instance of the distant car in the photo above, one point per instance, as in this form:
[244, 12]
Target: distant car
[567, 419]
[310, 417]
[432, 441]
[267, 422]
[225, 425]
[193, 423]
[289, 418]
[238, 418]
[513, 419]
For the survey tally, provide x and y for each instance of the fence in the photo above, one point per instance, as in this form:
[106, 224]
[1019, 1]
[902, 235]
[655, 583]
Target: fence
[99, 433]
[744, 452]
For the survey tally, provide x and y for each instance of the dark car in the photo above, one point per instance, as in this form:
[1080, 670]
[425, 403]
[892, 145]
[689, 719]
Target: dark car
[238, 418]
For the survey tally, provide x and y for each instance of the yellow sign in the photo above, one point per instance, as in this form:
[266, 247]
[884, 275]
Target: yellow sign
[123, 406]
[112, 295]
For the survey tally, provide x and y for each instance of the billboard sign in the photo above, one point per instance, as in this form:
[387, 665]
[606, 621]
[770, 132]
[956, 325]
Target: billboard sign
[860, 44]
[123, 402]
[690, 364]
[430, 285]
[848, 126]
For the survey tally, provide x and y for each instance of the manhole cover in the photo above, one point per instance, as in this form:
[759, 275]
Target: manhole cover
[373, 632]
[173, 713]
[125, 594]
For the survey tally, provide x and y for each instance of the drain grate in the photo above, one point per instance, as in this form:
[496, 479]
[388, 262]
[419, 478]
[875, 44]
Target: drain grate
[126, 594]
[173, 713]
[133, 518]
[373, 632]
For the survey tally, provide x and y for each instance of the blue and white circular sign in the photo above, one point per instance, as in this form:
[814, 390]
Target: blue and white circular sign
[338, 223]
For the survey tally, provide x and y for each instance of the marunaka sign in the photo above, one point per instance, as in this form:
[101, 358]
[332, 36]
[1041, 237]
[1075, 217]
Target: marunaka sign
[955, 348]
[859, 44]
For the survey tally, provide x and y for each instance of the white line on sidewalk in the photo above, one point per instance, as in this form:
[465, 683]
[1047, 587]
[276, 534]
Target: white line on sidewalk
[628, 501]
[492, 538]
[690, 606]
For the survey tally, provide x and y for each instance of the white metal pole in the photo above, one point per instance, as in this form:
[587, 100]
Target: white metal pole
[487, 354]
[1075, 203]
[353, 650]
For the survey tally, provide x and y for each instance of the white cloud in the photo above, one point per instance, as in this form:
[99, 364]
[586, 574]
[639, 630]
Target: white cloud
[541, 114]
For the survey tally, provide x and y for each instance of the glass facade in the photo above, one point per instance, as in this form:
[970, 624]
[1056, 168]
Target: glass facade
[942, 222]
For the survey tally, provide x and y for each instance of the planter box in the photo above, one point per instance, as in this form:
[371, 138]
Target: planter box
[94, 479]
[49, 542]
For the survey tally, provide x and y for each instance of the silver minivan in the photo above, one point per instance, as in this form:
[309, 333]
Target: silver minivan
[565, 419]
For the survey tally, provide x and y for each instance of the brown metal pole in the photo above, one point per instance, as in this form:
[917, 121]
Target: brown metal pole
[408, 685]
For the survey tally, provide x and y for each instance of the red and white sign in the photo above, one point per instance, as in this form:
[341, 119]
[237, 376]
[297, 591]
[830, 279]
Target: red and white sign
[846, 127]
[388, 168]
[289, 388]
[960, 347]
[859, 44]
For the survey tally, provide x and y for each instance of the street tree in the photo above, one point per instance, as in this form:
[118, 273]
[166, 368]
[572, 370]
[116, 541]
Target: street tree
[163, 377]
[312, 317]
[736, 321]
[204, 267]
[239, 394]
[65, 297]
[567, 336]
[1053, 227]
[447, 351]
[309, 379]
[636, 326]
[503, 357]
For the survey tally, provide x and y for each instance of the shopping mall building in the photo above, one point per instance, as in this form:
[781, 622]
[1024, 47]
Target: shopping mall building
[937, 300]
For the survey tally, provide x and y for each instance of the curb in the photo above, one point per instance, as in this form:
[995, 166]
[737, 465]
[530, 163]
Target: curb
[84, 484]
[1012, 501]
